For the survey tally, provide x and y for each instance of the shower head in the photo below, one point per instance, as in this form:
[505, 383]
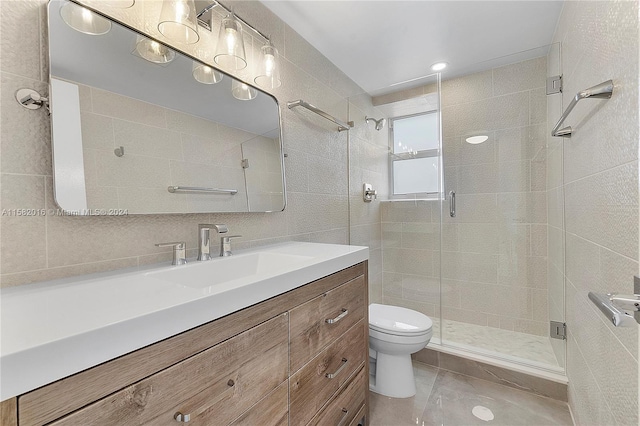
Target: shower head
[379, 123]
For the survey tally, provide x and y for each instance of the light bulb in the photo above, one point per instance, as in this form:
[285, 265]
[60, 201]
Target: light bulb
[230, 39]
[269, 62]
[87, 16]
[182, 11]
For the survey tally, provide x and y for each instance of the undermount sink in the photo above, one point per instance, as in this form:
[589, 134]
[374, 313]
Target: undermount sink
[227, 270]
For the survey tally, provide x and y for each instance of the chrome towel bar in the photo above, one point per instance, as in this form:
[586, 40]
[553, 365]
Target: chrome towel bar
[173, 189]
[601, 91]
[300, 103]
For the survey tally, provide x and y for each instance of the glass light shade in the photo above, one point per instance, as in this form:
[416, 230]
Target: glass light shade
[82, 19]
[243, 91]
[205, 74]
[153, 51]
[269, 70]
[230, 50]
[178, 21]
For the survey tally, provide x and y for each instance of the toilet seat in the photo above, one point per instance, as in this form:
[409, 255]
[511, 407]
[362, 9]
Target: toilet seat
[398, 321]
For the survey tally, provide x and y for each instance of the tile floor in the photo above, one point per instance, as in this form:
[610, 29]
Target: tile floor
[447, 399]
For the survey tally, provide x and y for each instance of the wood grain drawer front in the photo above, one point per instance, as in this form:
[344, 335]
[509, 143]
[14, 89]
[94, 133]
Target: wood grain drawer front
[344, 408]
[314, 384]
[273, 410]
[321, 320]
[214, 387]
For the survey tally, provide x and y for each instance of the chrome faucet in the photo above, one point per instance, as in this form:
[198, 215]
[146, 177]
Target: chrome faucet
[204, 239]
[179, 251]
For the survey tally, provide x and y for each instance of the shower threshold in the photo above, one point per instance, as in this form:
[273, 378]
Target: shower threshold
[526, 353]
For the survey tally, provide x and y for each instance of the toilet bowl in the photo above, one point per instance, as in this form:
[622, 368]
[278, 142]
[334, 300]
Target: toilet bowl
[394, 334]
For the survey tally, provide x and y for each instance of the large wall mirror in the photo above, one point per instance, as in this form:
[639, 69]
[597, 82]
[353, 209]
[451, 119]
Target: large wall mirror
[139, 128]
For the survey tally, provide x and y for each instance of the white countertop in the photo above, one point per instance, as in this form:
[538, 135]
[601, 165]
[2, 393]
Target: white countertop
[54, 329]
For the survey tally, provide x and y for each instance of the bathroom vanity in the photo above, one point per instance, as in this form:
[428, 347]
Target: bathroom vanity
[296, 357]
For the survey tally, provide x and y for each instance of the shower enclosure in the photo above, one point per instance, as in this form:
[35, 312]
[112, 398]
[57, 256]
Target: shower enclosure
[471, 215]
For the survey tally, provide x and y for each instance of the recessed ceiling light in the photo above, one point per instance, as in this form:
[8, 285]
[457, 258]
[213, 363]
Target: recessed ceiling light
[477, 139]
[439, 66]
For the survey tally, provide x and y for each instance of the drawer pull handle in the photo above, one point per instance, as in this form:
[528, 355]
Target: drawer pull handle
[335, 373]
[344, 417]
[338, 318]
[184, 418]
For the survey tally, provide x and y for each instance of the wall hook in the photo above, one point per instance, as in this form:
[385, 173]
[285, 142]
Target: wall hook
[119, 151]
[30, 99]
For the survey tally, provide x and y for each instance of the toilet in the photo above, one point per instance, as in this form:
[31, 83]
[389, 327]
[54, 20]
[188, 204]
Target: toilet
[394, 334]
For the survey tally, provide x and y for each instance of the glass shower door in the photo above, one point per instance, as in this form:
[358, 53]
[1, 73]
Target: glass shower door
[500, 259]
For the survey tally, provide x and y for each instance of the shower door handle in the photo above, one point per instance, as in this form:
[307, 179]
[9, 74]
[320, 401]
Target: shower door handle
[452, 203]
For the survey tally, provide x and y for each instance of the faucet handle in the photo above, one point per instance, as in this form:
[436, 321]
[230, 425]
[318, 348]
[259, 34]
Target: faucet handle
[179, 251]
[225, 245]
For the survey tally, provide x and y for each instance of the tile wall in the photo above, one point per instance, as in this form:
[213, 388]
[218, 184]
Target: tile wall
[368, 163]
[174, 149]
[37, 248]
[599, 41]
[411, 257]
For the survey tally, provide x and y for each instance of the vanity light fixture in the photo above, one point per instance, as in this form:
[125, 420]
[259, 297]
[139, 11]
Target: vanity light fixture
[230, 51]
[474, 140]
[178, 21]
[243, 91]
[205, 74]
[269, 71]
[153, 51]
[439, 66]
[83, 20]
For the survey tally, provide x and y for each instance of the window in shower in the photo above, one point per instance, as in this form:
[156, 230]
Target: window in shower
[415, 154]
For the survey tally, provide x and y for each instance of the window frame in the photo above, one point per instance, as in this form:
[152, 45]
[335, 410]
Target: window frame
[425, 153]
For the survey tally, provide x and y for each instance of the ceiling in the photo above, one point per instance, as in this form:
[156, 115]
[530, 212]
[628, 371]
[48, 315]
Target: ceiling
[382, 43]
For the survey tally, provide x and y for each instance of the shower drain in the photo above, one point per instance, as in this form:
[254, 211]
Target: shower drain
[483, 413]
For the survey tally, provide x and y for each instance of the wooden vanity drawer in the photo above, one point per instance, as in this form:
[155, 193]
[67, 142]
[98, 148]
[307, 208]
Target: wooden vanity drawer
[214, 387]
[318, 322]
[273, 410]
[345, 407]
[313, 385]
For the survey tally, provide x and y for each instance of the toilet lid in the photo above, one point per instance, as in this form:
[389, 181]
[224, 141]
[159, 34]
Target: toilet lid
[397, 320]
